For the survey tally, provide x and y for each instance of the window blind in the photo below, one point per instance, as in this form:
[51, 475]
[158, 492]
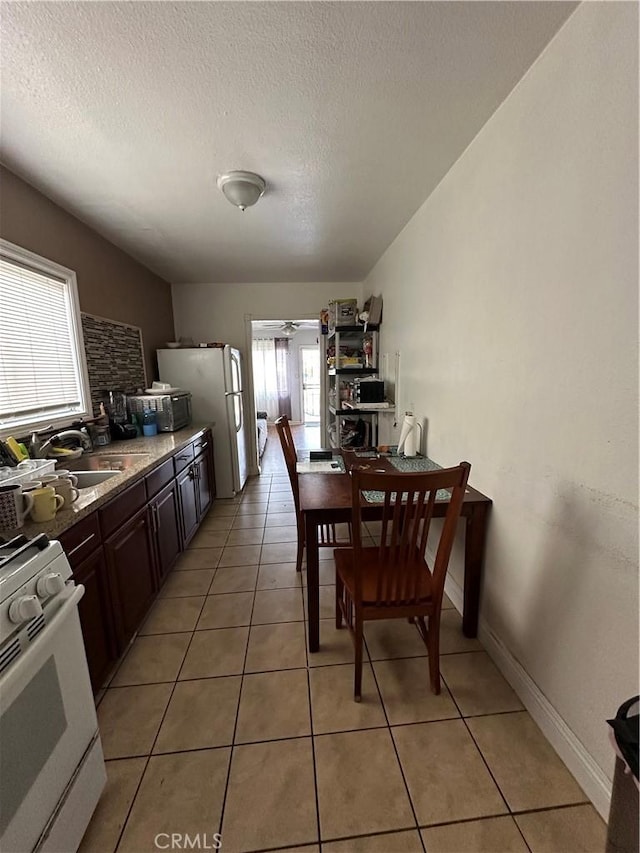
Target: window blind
[40, 376]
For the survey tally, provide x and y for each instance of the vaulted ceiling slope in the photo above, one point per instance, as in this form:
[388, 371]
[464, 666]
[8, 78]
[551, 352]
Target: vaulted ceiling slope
[124, 113]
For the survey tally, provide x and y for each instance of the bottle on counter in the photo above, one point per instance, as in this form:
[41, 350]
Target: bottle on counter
[149, 424]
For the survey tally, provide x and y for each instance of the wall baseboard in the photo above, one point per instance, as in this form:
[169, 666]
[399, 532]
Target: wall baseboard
[571, 750]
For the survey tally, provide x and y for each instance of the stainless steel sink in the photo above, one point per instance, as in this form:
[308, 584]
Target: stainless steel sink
[105, 461]
[86, 479]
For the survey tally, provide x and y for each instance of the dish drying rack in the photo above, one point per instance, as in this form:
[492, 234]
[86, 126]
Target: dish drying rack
[43, 466]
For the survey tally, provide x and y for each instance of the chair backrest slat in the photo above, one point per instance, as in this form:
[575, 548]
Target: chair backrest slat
[407, 509]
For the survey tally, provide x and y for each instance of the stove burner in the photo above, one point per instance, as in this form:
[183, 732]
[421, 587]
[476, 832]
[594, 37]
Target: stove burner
[17, 546]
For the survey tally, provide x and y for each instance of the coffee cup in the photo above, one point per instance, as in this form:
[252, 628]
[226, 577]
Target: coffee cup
[14, 506]
[30, 485]
[63, 473]
[64, 487]
[27, 465]
[46, 479]
[46, 504]
[6, 472]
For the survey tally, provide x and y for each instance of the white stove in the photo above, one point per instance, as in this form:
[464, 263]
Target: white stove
[52, 764]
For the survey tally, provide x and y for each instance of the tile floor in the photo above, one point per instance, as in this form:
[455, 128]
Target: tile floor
[218, 720]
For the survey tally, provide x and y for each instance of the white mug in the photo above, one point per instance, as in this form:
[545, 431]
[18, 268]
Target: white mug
[64, 487]
[14, 506]
[64, 474]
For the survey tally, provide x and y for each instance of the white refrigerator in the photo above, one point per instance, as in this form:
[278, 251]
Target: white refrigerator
[214, 378]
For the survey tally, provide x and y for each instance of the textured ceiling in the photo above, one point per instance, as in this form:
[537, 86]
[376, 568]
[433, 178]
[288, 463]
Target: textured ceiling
[124, 113]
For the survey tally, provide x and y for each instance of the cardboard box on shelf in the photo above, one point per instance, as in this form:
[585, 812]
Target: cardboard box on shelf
[343, 312]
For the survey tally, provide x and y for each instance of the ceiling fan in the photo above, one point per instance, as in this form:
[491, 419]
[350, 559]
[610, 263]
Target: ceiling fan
[287, 328]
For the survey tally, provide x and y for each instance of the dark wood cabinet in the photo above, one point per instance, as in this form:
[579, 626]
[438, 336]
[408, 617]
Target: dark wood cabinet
[188, 505]
[196, 487]
[130, 562]
[123, 552]
[204, 483]
[82, 544]
[164, 511]
[95, 611]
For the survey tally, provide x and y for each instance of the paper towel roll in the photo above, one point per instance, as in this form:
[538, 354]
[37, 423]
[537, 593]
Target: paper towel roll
[407, 443]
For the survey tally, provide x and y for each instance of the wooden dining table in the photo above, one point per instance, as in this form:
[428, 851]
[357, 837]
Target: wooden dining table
[325, 498]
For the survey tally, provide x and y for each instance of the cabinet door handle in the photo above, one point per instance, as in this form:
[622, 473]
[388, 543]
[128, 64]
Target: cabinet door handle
[84, 542]
[154, 518]
[184, 456]
[191, 474]
[202, 446]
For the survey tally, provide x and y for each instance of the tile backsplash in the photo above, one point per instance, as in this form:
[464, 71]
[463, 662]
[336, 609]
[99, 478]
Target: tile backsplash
[115, 358]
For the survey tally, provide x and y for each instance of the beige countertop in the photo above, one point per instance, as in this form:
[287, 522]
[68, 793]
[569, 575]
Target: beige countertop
[158, 447]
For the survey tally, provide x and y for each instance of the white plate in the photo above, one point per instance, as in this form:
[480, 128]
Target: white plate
[158, 392]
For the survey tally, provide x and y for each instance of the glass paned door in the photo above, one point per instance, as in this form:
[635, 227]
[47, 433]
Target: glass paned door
[310, 358]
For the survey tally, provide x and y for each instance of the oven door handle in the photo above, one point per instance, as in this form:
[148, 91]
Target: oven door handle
[31, 653]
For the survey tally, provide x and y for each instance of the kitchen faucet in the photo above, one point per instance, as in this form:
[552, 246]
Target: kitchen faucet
[83, 436]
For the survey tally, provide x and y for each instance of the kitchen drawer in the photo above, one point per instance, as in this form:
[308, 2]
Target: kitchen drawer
[121, 508]
[81, 540]
[183, 458]
[159, 478]
[202, 443]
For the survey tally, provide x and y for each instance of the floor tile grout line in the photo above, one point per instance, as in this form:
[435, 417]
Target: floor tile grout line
[148, 760]
[395, 748]
[235, 724]
[342, 838]
[486, 763]
[313, 743]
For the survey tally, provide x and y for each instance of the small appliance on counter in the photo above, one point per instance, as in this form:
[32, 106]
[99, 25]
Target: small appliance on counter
[115, 403]
[172, 408]
[368, 391]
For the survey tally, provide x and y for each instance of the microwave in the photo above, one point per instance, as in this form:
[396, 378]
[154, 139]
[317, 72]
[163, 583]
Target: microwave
[173, 411]
[368, 391]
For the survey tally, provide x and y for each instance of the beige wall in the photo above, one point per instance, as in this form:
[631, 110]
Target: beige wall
[216, 312]
[512, 296]
[110, 283]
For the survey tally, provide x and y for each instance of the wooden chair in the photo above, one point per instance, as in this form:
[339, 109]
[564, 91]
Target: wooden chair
[393, 580]
[327, 536]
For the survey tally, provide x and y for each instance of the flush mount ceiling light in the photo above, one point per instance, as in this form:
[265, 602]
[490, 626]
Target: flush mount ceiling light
[241, 188]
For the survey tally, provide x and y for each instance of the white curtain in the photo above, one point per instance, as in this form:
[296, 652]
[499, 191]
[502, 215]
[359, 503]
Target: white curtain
[265, 377]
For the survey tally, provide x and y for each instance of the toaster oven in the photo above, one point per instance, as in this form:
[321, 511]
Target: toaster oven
[368, 391]
[173, 411]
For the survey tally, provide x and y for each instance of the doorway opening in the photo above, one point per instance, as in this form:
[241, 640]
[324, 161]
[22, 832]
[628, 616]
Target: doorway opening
[285, 356]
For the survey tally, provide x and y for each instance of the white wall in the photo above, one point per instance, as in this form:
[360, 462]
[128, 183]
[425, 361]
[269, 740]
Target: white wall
[216, 312]
[512, 297]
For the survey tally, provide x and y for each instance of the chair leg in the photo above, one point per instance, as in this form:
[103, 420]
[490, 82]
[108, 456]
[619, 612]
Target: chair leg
[339, 593]
[300, 547]
[433, 647]
[357, 683]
